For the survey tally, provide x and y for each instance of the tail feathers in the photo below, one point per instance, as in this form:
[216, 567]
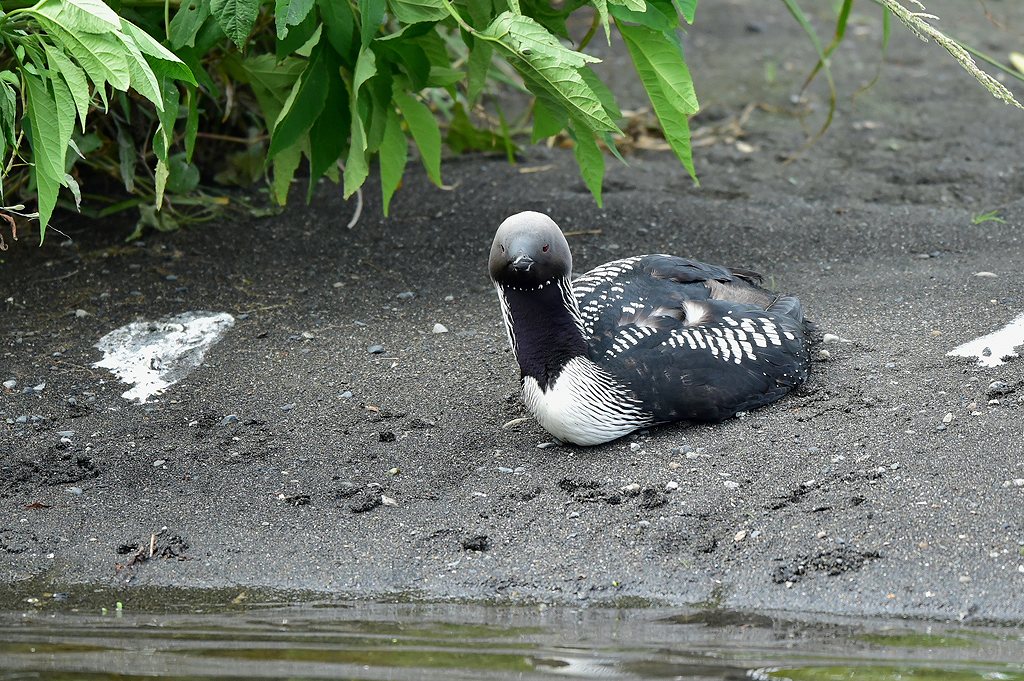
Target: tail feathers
[788, 306]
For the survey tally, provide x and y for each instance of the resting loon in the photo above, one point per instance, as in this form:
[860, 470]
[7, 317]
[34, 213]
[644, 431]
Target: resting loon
[639, 341]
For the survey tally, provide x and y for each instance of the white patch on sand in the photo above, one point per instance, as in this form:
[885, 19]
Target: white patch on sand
[991, 349]
[154, 355]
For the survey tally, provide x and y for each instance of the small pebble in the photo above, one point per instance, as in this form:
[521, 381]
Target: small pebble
[439, 328]
[995, 389]
[505, 469]
[229, 419]
[346, 395]
[171, 277]
[631, 489]
[406, 295]
[395, 471]
[159, 462]
[449, 298]
[388, 501]
[75, 490]
[79, 313]
[375, 349]
[288, 407]
[824, 354]
[66, 433]
[546, 445]
[830, 338]
[740, 536]
[985, 274]
[675, 465]
[948, 418]
[573, 514]
[644, 524]
[731, 484]
[338, 284]
[671, 486]
[10, 384]
[634, 446]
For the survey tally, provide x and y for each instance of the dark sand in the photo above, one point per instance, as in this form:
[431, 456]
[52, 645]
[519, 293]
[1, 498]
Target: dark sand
[850, 497]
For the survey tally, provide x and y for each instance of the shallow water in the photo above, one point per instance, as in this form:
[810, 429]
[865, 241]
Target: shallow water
[410, 641]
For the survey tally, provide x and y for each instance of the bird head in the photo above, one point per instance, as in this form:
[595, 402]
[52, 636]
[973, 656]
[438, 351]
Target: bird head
[529, 251]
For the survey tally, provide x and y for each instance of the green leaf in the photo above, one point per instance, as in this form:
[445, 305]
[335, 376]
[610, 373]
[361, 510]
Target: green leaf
[288, 13]
[171, 97]
[182, 176]
[394, 154]
[301, 38]
[548, 121]
[162, 173]
[591, 162]
[379, 88]
[143, 80]
[416, 11]
[425, 132]
[602, 14]
[75, 78]
[662, 69]
[477, 67]
[549, 69]
[410, 56]
[356, 166]
[635, 5]
[303, 105]
[191, 122]
[104, 57]
[604, 94]
[186, 23]
[165, 62]
[371, 14]
[127, 156]
[236, 18]
[65, 119]
[80, 16]
[271, 82]
[285, 164]
[514, 6]
[47, 149]
[329, 134]
[339, 25]
[688, 9]
[659, 15]
[8, 111]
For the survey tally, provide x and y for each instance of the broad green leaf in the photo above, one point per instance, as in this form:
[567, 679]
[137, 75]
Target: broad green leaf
[444, 76]
[659, 15]
[300, 39]
[127, 155]
[186, 23]
[303, 105]
[480, 12]
[47, 149]
[288, 13]
[635, 5]
[75, 78]
[191, 122]
[548, 121]
[103, 57]
[371, 14]
[687, 8]
[464, 136]
[549, 69]
[236, 18]
[407, 54]
[423, 126]
[166, 62]
[356, 166]
[80, 16]
[65, 104]
[379, 90]
[394, 154]
[602, 14]
[339, 24]
[477, 67]
[514, 6]
[659, 63]
[416, 11]
[285, 164]
[591, 162]
[8, 111]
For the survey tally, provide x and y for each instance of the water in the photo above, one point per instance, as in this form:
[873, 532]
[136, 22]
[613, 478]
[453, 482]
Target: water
[410, 641]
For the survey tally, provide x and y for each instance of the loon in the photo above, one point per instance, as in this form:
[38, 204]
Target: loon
[640, 341]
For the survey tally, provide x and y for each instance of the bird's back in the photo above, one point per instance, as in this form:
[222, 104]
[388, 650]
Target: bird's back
[692, 341]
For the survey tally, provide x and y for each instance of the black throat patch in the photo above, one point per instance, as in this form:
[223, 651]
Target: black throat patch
[544, 331]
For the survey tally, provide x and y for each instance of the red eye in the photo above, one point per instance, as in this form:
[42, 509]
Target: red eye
[545, 249]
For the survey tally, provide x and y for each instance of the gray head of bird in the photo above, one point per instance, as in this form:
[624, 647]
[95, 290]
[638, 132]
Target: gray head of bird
[529, 251]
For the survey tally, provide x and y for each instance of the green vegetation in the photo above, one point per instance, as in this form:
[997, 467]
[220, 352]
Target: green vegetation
[127, 90]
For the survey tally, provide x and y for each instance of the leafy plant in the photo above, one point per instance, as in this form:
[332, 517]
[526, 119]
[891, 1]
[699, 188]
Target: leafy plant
[325, 88]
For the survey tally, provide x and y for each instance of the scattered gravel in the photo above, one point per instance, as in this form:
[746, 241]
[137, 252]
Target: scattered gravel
[476, 542]
[365, 501]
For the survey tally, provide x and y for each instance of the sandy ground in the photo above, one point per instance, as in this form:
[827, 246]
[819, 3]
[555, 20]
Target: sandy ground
[856, 495]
